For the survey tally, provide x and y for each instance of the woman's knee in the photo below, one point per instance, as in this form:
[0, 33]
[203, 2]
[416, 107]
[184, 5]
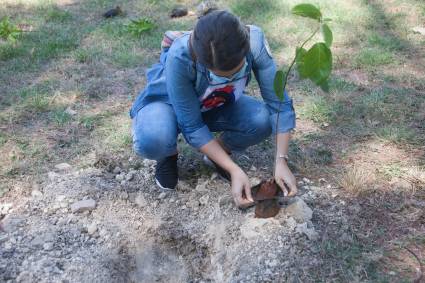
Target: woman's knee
[259, 123]
[155, 131]
[154, 146]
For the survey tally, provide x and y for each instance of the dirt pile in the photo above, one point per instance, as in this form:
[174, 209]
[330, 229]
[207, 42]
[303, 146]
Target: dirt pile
[124, 229]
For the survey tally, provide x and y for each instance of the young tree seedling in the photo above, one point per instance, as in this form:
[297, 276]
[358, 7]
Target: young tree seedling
[314, 64]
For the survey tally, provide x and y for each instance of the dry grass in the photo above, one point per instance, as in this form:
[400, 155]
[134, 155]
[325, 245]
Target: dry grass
[357, 181]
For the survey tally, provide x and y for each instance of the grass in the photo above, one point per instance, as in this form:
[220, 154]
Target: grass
[372, 57]
[357, 180]
[318, 109]
[72, 56]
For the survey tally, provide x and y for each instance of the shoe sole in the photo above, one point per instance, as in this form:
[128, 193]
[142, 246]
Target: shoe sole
[161, 187]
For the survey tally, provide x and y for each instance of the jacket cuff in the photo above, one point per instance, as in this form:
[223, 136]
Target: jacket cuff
[286, 122]
[199, 138]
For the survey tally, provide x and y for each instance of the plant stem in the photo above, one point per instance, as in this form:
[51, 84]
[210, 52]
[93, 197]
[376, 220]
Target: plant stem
[285, 81]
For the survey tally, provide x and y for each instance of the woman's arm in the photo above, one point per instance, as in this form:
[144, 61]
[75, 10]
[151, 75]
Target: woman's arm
[240, 181]
[283, 174]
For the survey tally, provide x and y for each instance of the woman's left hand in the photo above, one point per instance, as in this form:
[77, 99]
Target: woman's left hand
[283, 175]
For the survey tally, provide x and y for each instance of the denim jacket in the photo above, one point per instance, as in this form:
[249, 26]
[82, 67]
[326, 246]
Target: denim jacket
[179, 81]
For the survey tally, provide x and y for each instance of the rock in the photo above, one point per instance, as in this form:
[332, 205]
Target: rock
[202, 186]
[307, 181]
[162, 195]
[83, 205]
[291, 223]
[116, 170]
[140, 201]
[124, 195]
[420, 30]
[204, 200]
[179, 11]
[48, 246]
[299, 210]
[5, 207]
[92, 228]
[3, 238]
[8, 246]
[214, 176]
[309, 232]
[120, 177]
[254, 227]
[63, 167]
[70, 111]
[129, 176]
[272, 263]
[52, 175]
[36, 194]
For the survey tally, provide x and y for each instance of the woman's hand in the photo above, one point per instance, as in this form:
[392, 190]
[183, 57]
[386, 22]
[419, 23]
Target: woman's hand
[283, 175]
[241, 188]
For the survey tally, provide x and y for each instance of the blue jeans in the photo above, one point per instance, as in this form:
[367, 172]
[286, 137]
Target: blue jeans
[243, 123]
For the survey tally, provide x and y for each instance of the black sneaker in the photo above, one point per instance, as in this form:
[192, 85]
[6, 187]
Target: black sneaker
[166, 175]
[223, 173]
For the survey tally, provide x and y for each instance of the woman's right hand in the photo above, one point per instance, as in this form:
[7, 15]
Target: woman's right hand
[241, 188]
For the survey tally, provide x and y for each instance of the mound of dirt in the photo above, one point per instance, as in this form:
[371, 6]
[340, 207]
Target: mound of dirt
[132, 232]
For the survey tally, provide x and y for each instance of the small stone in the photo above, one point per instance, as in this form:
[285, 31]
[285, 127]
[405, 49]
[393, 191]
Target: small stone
[140, 201]
[299, 210]
[214, 176]
[116, 170]
[36, 194]
[291, 223]
[5, 207]
[3, 238]
[48, 246]
[307, 181]
[92, 228]
[83, 205]
[309, 232]
[202, 187]
[119, 177]
[124, 195]
[63, 167]
[129, 176]
[70, 111]
[420, 30]
[52, 175]
[204, 200]
[8, 246]
[162, 195]
[272, 263]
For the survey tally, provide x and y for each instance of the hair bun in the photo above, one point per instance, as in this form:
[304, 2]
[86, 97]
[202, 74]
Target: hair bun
[205, 7]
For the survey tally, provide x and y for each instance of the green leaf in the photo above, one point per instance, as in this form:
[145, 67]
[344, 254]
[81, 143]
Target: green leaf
[139, 26]
[327, 35]
[299, 53]
[325, 86]
[316, 63]
[278, 84]
[307, 10]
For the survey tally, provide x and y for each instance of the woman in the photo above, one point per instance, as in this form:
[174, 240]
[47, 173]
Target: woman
[198, 88]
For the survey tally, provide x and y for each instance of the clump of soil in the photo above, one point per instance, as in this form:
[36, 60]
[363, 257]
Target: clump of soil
[265, 195]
